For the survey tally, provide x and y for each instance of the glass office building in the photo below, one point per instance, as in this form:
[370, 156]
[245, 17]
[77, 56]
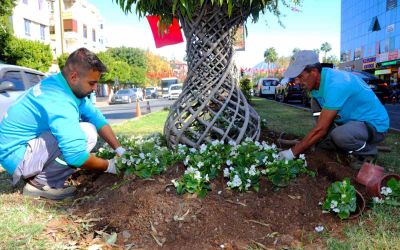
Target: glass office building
[370, 37]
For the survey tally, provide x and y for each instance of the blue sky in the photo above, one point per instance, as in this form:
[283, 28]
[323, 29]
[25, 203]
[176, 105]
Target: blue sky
[317, 22]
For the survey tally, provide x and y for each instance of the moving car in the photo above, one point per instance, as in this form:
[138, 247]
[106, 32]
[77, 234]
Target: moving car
[380, 87]
[289, 90]
[174, 91]
[151, 92]
[14, 80]
[266, 86]
[126, 96]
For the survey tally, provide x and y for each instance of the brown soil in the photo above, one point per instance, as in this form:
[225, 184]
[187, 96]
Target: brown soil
[148, 213]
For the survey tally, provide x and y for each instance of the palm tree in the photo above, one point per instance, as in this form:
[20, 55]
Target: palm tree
[211, 105]
[270, 55]
[325, 47]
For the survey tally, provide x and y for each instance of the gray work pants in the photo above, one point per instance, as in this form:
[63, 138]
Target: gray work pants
[354, 137]
[43, 159]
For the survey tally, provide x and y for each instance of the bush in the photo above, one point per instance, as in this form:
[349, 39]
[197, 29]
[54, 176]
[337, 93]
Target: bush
[246, 86]
[27, 53]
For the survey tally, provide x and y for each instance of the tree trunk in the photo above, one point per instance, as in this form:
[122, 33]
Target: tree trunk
[211, 105]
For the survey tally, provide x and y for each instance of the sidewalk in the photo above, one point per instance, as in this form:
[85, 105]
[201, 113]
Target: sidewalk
[102, 101]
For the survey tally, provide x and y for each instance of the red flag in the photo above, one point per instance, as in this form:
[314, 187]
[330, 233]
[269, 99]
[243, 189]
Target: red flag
[173, 36]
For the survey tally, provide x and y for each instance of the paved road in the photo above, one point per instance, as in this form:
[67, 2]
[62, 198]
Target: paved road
[120, 112]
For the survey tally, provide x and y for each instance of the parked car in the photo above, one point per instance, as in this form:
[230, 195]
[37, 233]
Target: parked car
[151, 92]
[124, 96]
[14, 80]
[266, 86]
[379, 86]
[289, 90]
[174, 91]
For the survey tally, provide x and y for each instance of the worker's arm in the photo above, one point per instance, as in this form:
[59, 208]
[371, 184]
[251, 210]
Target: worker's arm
[95, 163]
[108, 135]
[319, 131]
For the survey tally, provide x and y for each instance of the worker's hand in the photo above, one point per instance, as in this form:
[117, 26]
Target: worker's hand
[120, 151]
[286, 155]
[111, 167]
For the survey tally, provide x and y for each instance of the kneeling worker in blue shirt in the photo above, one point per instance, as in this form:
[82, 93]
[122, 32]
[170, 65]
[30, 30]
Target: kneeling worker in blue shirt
[351, 117]
[49, 132]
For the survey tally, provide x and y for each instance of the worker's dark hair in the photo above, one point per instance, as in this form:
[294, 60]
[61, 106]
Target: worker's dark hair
[83, 60]
[317, 66]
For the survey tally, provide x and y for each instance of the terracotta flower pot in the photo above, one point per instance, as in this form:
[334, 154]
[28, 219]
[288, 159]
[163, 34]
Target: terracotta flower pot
[360, 206]
[369, 172]
[373, 187]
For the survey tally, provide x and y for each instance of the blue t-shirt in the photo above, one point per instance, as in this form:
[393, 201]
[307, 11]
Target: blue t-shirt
[352, 98]
[47, 106]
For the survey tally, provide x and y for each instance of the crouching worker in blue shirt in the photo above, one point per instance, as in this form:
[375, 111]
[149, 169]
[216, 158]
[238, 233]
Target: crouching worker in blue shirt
[350, 118]
[49, 131]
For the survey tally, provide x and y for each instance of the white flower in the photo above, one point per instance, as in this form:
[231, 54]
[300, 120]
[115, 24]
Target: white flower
[226, 172]
[123, 160]
[203, 148]
[141, 155]
[186, 161]
[128, 163]
[206, 178]
[319, 229]
[215, 142]
[200, 164]
[334, 204]
[237, 182]
[219, 192]
[232, 143]
[286, 162]
[197, 175]
[252, 171]
[386, 191]
[157, 161]
[228, 162]
[231, 168]
[263, 171]
[377, 200]
[248, 139]
[302, 156]
[190, 170]
[336, 210]
[192, 150]
[343, 196]
[174, 182]
[101, 150]
[257, 143]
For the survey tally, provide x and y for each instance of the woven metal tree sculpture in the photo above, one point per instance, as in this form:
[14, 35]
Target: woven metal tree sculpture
[211, 105]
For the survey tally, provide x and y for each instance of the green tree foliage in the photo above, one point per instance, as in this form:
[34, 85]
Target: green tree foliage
[325, 47]
[270, 55]
[62, 59]
[6, 8]
[332, 59]
[133, 56]
[186, 8]
[27, 53]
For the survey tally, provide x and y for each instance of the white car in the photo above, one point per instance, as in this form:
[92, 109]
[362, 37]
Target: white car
[267, 86]
[14, 80]
[174, 91]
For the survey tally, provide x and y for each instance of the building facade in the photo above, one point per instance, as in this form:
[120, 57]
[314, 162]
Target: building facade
[31, 19]
[370, 37]
[82, 26]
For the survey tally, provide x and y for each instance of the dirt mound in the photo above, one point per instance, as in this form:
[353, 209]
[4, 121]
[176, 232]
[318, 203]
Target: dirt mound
[149, 214]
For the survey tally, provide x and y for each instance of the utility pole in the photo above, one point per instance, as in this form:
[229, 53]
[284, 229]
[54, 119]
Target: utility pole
[61, 26]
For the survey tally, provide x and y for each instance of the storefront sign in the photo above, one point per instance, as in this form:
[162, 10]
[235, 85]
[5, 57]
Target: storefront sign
[393, 55]
[383, 72]
[369, 63]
